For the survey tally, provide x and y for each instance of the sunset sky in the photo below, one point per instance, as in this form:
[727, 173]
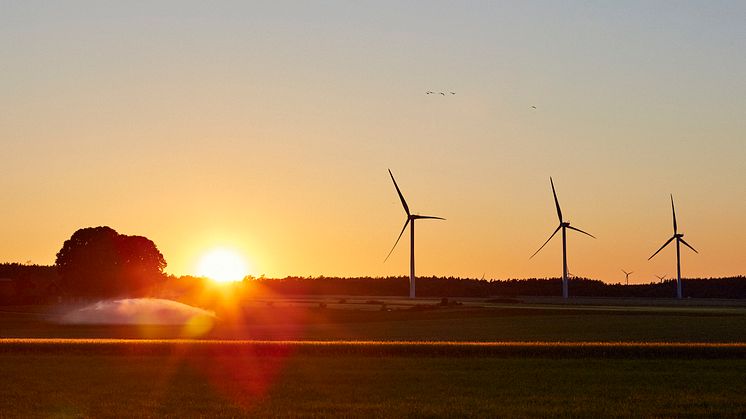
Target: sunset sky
[268, 128]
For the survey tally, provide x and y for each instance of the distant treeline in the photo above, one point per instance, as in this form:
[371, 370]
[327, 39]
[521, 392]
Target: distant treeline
[734, 287]
[28, 284]
[31, 284]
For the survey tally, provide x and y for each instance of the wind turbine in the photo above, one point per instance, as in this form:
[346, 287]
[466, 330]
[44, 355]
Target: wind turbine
[410, 218]
[661, 278]
[564, 225]
[627, 274]
[679, 239]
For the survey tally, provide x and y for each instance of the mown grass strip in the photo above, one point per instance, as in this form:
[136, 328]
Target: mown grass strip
[377, 348]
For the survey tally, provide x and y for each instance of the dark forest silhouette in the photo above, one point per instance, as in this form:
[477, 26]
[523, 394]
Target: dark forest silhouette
[467, 287]
[26, 284]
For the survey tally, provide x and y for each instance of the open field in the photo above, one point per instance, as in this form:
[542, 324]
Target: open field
[386, 358]
[377, 349]
[400, 320]
[99, 386]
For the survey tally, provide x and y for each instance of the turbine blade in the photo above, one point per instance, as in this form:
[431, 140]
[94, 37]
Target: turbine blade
[687, 245]
[556, 202]
[545, 243]
[427, 217]
[403, 202]
[625, 272]
[673, 210]
[581, 231]
[664, 245]
[397, 240]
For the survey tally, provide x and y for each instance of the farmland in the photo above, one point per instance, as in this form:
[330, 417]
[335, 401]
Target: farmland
[400, 320]
[387, 358]
[82, 385]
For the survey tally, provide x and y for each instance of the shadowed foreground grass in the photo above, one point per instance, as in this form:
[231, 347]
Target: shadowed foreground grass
[104, 385]
[202, 348]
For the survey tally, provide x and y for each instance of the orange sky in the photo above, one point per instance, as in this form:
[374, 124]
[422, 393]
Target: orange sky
[269, 129]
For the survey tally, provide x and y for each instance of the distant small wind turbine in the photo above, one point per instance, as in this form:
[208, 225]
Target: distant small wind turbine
[564, 225]
[627, 274]
[679, 239]
[661, 278]
[410, 218]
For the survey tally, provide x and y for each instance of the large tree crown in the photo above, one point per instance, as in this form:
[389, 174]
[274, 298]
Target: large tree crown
[100, 261]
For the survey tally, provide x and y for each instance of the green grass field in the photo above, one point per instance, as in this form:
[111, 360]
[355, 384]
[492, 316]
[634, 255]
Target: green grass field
[296, 319]
[99, 386]
[580, 360]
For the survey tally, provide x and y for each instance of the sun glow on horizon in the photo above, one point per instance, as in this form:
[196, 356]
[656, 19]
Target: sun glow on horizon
[222, 265]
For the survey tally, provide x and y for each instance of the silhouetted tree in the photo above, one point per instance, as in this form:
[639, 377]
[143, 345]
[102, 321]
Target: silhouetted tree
[99, 262]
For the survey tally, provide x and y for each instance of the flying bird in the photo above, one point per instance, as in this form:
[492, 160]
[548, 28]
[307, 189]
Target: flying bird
[430, 92]
[533, 107]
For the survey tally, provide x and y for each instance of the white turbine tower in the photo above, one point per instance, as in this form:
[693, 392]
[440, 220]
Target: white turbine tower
[627, 274]
[564, 225]
[679, 239]
[410, 218]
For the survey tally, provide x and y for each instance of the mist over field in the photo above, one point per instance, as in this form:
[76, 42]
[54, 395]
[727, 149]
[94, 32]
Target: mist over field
[137, 311]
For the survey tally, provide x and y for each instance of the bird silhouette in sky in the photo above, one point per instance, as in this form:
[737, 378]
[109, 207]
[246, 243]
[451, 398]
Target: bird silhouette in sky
[533, 107]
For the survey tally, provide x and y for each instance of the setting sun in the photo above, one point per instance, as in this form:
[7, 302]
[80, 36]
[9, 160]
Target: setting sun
[222, 265]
